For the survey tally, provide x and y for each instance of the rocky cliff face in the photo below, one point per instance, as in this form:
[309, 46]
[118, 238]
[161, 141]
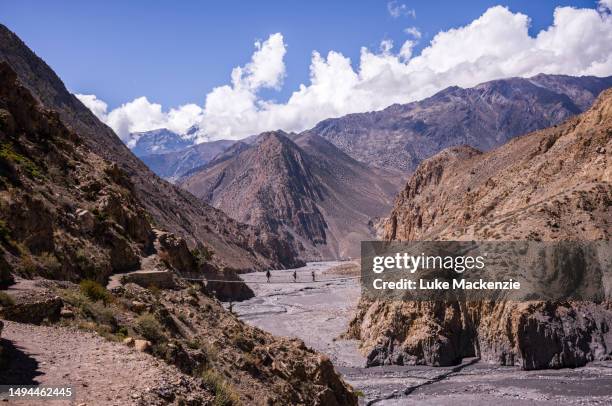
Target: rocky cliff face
[236, 245]
[484, 117]
[304, 188]
[553, 184]
[66, 212]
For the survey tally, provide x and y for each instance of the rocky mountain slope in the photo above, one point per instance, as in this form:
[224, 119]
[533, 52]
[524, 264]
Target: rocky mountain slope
[173, 165]
[69, 215]
[302, 187]
[160, 141]
[554, 184]
[236, 245]
[484, 117]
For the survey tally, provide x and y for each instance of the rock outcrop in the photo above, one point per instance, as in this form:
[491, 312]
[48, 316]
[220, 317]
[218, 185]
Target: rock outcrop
[554, 184]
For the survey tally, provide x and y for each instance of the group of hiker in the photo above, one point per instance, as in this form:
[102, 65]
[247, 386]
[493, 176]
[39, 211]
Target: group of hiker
[312, 273]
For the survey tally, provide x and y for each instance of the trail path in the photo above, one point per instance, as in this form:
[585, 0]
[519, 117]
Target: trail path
[101, 372]
[319, 313]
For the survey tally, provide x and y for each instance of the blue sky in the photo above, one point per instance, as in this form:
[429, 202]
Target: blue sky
[174, 52]
[143, 65]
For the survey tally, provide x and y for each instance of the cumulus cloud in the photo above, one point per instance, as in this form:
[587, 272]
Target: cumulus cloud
[142, 115]
[97, 106]
[397, 10]
[495, 45]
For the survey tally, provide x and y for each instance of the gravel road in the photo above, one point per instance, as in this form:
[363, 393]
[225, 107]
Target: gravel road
[101, 372]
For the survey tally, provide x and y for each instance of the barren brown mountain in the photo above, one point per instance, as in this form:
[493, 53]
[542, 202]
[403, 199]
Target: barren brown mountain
[304, 188]
[484, 117]
[236, 245]
[554, 184]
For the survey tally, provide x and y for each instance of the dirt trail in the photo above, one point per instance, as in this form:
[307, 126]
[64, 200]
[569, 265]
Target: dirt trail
[101, 372]
[318, 313]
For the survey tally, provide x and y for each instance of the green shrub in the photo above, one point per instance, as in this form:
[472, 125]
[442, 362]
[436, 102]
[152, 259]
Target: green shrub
[203, 254]
[5, 232]
[94, 291]
[50, 262]
[6, 299]
[8, 153]
[27, 266]
[148, 326]
[225, 395]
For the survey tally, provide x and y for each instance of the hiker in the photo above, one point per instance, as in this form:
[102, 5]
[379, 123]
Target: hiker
[294, 276]
[313, 275]
[231, 307]
[268, 275]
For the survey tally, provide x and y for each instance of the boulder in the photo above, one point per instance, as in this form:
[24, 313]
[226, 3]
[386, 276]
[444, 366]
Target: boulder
[33, 310]
[86, 220]
[137, 306]
[142, 345]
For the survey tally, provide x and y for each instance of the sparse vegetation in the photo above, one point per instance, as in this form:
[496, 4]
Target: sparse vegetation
[148, 326]
[225, 395]
[94, 291]
[8, 153]
[6, 299]
[203, 254]
[27, 266]
[50, 262]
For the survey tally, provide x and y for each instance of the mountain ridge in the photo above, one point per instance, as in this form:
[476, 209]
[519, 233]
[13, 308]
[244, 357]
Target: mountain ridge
[484, 116]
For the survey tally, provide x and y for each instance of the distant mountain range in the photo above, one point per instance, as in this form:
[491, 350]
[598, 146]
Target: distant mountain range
[173, 165]
[158, 141]
[401, 136]
[484, 117]
[326, 187]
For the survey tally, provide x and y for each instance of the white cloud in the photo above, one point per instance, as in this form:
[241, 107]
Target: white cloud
[414, 31]
[397, 9]
[142, 115]
[496, 45]
[97, 106]
[605, 6]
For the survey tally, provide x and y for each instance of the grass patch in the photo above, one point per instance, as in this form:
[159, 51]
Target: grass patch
[8, 153]
[6, 299]
[225, 394]
[94, 291]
